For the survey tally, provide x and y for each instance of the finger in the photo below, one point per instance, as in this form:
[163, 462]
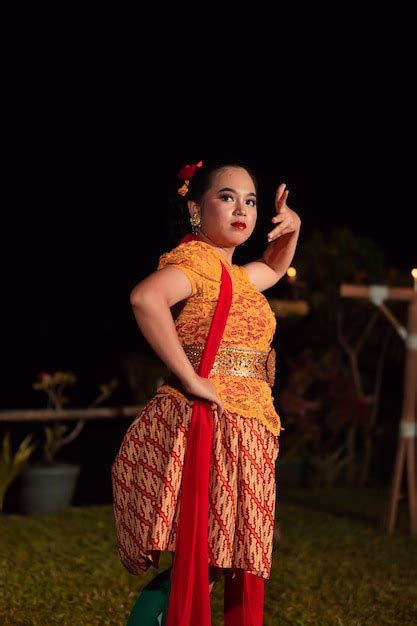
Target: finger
[282, 229]
[217, 408]
[282, 201]
[277, 219]
[282, 221]
[279, 192]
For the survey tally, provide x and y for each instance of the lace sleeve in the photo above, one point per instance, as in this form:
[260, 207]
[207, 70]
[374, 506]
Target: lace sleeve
[196, 262]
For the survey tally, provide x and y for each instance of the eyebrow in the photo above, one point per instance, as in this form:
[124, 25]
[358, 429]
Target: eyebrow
[234, 191]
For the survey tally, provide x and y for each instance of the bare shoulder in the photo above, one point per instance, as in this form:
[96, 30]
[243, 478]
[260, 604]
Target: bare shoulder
[261, 275]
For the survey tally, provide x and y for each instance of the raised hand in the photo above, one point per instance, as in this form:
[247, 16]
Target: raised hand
[286, 219]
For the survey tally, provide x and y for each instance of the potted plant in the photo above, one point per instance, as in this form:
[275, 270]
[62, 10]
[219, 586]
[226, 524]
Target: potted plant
[50, 484]
[12, 464]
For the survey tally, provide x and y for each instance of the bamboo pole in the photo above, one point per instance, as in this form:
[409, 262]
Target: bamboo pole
[406, 448]
[362, 291]
[284, 308]
[405, 460]
[45, 415]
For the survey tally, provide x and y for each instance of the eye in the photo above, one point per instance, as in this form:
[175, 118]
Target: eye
[227, 197]
[251, 202]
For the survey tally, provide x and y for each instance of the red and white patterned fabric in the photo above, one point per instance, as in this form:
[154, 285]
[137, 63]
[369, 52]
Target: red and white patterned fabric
[147, 474]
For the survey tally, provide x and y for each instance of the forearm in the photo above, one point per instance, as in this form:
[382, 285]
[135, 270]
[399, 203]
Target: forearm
[280, 252]
[154, 318]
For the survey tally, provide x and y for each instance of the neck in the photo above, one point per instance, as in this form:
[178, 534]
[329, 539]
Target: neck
[226, 252]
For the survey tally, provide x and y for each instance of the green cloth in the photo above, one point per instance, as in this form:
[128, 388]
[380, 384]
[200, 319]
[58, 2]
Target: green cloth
[150, 608]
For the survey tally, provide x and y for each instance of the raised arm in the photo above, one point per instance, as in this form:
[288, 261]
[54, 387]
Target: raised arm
[151, 301]
[277, 257]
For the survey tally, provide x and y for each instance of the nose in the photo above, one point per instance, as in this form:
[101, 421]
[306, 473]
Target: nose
[241, 210]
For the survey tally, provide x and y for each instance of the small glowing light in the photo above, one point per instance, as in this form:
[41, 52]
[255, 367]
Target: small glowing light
[292, 272]
[414, 275]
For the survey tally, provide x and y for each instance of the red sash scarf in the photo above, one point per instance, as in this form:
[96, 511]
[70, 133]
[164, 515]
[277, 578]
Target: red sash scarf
[189, 602]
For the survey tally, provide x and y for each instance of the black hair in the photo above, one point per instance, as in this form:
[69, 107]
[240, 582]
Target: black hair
[203, 178]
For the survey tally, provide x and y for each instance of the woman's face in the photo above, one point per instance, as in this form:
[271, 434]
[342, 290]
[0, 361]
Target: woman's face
[228, 210]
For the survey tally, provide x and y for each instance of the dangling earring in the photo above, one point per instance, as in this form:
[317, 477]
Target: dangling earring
[195, 223]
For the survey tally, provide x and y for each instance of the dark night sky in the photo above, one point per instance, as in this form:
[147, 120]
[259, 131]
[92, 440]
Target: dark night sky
[94, 158]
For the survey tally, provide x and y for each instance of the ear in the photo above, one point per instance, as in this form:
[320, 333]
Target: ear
[193, 207]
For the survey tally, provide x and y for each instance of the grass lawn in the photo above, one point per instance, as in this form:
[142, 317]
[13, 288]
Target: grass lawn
[333, 566]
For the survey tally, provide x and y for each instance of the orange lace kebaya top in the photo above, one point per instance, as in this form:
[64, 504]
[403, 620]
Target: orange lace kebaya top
[250, 325]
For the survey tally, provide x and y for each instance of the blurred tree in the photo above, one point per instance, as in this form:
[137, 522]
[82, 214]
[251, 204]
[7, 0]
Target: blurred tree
[331, 398]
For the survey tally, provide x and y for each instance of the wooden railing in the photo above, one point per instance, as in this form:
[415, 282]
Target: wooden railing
[45, 415]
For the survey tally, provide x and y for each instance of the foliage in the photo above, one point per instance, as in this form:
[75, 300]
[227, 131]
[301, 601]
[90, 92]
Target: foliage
[319, 403]
[327, 467]
[333, 378]
[333, 566]
[12, 464]
[325, 262]
[54, 386]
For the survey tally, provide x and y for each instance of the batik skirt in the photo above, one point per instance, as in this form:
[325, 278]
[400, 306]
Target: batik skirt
[146, 478]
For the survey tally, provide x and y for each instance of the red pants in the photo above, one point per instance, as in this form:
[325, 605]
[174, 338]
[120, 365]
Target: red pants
[243, 600]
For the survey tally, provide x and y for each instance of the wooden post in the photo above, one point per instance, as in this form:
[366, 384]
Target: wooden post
[406, 455]
[406, 448]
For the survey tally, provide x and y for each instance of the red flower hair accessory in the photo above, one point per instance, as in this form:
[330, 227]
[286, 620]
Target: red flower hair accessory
[185, 175]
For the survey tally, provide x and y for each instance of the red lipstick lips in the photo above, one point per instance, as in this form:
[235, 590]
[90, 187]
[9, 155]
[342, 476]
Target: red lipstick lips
[240, 225]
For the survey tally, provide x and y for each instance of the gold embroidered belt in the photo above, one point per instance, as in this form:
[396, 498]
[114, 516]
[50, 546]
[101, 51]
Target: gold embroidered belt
[232, 361]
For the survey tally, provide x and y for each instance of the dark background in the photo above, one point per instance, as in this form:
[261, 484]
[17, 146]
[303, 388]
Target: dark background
[89, 211]
[104, 107]
[100, 118]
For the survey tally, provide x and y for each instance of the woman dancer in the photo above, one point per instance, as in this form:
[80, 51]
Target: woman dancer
[195, 471]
